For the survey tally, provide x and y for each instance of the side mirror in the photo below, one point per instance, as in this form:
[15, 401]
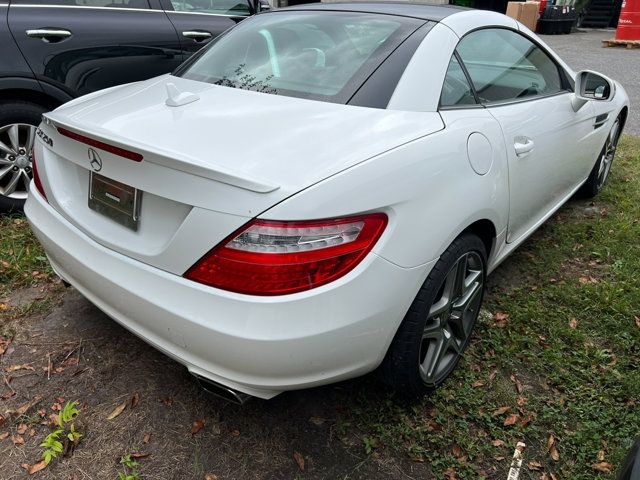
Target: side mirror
[591, 86]
[261, 6]
[630, 469]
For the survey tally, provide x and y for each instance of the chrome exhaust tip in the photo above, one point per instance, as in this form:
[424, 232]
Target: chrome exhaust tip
[219, 390]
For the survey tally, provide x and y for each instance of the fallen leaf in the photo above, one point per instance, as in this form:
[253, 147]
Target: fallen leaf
[17, 439]
[637, 319]
[8, 394]
[497, 443]
[534, 465]
[140, 454]
[477, 383]
[450, 474]
[2, 421]
[4, 435]
[22, 428]
[53, 419]
[551, 446]
[31, 469]
[210, 476]
[23, 409]
[498, 458]
[500, 411]
[235, 433]
[526, 420]
[521, 401]
[603, 467]
[457, 451]
[492, 375]
[71, 361]
[14, 368]
[197, 426]
[56, 407]
[117, 411]
[317, 420]
[511, 419]
[146, 438]
[573, 323]
[553, 476]
[544, 476]
[135, 399]
[519, 385]
[601, 456]
[501, 319]
[299, 460]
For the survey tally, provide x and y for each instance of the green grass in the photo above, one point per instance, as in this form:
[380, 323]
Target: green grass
[22, 261]
[581, 385]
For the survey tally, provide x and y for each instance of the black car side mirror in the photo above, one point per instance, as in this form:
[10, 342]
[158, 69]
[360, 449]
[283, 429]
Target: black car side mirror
[261, 6]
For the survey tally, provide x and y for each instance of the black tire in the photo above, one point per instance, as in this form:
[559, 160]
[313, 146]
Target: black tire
[600, 172]
[401, 369]
[17, 112]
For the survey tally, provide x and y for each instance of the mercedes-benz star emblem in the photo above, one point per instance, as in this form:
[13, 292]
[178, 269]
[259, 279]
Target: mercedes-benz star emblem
[94, 160]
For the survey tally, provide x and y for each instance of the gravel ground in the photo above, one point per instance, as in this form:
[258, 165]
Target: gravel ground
[583, 50]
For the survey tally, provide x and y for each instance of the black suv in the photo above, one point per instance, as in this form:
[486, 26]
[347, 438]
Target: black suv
[54, 50]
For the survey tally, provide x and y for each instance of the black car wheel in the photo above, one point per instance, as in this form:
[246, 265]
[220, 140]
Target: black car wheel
[18, 122]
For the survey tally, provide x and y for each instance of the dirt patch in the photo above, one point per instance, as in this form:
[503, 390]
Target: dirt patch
[78, 353]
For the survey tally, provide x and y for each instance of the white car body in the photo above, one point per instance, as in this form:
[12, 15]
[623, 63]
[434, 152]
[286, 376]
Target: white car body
[212, 165]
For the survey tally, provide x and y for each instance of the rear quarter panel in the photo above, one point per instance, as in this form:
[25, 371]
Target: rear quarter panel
[427, 187]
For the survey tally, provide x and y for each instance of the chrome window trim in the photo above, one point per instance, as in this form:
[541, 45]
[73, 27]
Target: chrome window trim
[208, 13]
[30, 5]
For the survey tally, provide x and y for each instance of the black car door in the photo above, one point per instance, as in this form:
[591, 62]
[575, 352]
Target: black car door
[86, 45]
[198, 21]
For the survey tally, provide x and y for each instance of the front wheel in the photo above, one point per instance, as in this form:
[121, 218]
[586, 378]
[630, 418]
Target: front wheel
[600, 173]
[438, 325]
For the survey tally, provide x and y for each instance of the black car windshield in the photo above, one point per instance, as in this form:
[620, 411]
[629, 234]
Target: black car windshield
[310, 54]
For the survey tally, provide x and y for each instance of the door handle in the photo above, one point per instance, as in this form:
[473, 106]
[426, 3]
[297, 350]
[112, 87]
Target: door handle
[49, 34]
[197, 35]
[523, 146]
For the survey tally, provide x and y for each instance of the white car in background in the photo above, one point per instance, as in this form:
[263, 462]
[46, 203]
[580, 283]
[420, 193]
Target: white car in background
[320, 192]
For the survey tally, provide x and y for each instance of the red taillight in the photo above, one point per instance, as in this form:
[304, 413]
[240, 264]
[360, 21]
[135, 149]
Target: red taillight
[121, 152]
[276, 258]
[36, 178]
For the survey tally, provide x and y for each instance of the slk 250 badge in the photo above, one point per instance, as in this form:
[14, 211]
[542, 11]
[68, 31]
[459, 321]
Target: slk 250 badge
[45, 138]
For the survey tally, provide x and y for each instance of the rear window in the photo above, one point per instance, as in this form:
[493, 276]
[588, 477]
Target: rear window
[318, 55]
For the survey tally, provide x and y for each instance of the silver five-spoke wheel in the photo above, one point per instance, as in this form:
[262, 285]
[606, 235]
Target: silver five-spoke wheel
[608, 153]
[16, 143]
[451, 318]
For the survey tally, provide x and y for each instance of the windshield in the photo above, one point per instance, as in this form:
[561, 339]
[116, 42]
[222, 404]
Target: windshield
[311, 54]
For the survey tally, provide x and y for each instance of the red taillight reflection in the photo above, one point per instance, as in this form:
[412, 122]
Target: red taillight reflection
[36, 178]
[121, 152]
[276, 258]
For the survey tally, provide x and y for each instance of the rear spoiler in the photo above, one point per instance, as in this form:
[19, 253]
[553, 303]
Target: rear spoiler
[170, 159]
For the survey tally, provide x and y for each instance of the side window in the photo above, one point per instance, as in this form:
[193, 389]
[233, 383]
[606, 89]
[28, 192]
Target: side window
[221, 7]
[456, 89]
[504, 65]
[144, 4]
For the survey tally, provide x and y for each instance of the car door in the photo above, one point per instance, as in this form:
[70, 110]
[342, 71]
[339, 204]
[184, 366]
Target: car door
[547, 141]
[81, 46]
[199, 21]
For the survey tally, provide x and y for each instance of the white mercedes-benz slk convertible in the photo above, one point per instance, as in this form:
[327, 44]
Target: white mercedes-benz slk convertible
[321, 191]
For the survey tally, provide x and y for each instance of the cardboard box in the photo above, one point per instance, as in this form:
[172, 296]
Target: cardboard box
[524, 12]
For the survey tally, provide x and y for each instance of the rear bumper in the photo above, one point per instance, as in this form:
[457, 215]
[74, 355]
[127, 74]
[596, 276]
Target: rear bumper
[257, 345]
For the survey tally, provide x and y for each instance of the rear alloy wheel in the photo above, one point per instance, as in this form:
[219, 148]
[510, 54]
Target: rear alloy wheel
[600, 173]
[18, 121]
[438, 326]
